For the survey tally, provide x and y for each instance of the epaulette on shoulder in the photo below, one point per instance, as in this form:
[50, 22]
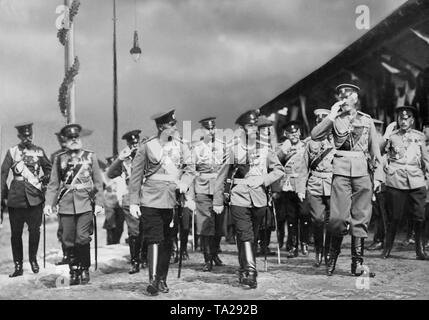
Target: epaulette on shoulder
[89, 151]
[364, 114]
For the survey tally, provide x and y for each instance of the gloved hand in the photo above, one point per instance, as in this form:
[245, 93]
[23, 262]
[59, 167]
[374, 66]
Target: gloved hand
[190, 204]
[218, 209]
[377, 185]
[335, 110]
[183, 188]
[47, 210]
[98, 210]
[389, 129]
[135, 211]
[301, 196]
[125, 153]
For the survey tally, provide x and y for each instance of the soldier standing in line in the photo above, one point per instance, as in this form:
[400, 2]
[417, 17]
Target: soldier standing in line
[378, 200]
[76, 186]
[31, 169]
[121, 167]
[317, 171]
[207, 155]
[357, 156]
[426, 232]
[291, 154]
[254, 170]
[407, 178]
[162, 165]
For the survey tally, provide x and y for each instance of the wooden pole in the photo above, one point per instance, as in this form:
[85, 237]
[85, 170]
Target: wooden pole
[115, 86]
[69, 60]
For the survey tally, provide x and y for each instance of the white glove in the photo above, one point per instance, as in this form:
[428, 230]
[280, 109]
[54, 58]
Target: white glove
[389, 129]
[301, 196]
[283, 111]
[125, 153]
[182, 187]
[377, 185]
[218, 209]
[98, 210]
[47, 210]
[286, 146]
[135, 211]
[190, 204]
[335, 110]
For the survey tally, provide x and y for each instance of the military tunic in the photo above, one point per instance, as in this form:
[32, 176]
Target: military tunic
[356, 141]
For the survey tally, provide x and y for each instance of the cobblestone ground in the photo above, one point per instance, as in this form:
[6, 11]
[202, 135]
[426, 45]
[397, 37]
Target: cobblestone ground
[401, 277]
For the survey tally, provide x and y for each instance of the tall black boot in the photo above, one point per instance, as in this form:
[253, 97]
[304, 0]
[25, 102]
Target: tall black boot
[65, 259]
[241, 269]
[357, 255]
[207, 245]
[215, 252]
[84, 252]
[18, 270]
[420, 248]
[152, 257]
[281, 234]
[326, 245]
[318, 244]
[184, 244]
[292, 245]
[33, 246]
[165, 248]
[390, 238]
[134, 245]
[74, 266]
[143, 254]
[175, 251]
[250, 266]
[17, 253]
[334, 251]
[304, 235]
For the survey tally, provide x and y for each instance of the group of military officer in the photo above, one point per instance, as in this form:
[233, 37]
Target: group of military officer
[327, 181]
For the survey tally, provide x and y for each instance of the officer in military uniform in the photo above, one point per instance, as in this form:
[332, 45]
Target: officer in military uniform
[207, 155]
[76, 187]
[162, 165]
[406, 178]
[31, 169]
[317, 172]
[378, 200]
[291, 154]
[62, 142]
[254, 169]
[426, 233]
[358, 152]
[121, 167]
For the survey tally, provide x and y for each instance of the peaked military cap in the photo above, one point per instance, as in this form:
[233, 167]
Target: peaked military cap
[208, 123]
[164, 117]
[71, 130]
[132, 136]
[264, 122]
[321, 112]
[378, 122]
[347, 87]
[25, 129]
[406, 111]
[249, 117]
[292, 126]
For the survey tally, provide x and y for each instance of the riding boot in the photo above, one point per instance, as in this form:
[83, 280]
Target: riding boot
[74, 266]
[390, 238]
[357, 257]
[65, 259]
[33, 246]
[215, 252]
[84, 252]
[334, 251]
[420, 249]
[175, 251]
[207, 244]
[143, 254]
[281, 235]
[326, 245]
[292, 244]
[184, 245]
[318, 244]
[134, 245]
[304, 235]
[18, 270]
[241, 270]
[249, 265]
[165, 248]
[152, 257]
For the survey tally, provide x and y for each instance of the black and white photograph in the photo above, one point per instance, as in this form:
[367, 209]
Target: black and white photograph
[214, 154]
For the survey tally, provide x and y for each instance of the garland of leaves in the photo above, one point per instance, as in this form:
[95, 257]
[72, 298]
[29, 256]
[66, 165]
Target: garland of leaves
[63, 97]
[62, 33]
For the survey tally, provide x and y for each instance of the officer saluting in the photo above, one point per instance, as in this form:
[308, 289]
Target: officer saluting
[355, 139]
[162, 165]
[408, 167]
[122, 167]
[25, 197]
[254, 169]
[75, 185]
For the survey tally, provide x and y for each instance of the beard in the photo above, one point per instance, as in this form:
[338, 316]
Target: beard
[74, 145]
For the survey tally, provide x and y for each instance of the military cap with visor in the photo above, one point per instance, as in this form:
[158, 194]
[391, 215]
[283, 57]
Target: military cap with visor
[132, 136]
[249, 117]
[345, 88]
[292, 126]
[406, 111]
[165, 118]
[263, 122]
[208, 123]
[71, 131]
[25, 129]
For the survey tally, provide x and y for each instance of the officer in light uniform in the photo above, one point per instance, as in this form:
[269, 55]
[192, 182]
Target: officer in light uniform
[76, 186]
[207, 155]
[162, 165]
[406, 178]
[254, 169]
[356, 158]
[317, 171]
[31, 169]
[291, 154]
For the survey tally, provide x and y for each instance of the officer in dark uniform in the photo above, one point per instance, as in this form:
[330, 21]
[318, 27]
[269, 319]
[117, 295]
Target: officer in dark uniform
[122, 167]
[31, 169]
[76, 186]
[358, 152]
[254, 169]
[162, 165]
[406, 178]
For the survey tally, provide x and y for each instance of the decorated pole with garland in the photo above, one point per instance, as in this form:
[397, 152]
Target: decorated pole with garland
[67, 94]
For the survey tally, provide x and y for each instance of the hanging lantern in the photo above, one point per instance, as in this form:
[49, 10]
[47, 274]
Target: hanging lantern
[135, 50]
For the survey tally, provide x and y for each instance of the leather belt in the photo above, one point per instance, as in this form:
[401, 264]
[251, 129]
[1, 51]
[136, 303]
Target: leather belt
[163, 177]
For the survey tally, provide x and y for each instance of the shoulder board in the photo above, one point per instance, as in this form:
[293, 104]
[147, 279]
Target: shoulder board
[417, 132]
[88, 151]
[364, 114]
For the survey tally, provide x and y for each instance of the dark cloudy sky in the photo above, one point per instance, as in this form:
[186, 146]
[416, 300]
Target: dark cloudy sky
[203, 57]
